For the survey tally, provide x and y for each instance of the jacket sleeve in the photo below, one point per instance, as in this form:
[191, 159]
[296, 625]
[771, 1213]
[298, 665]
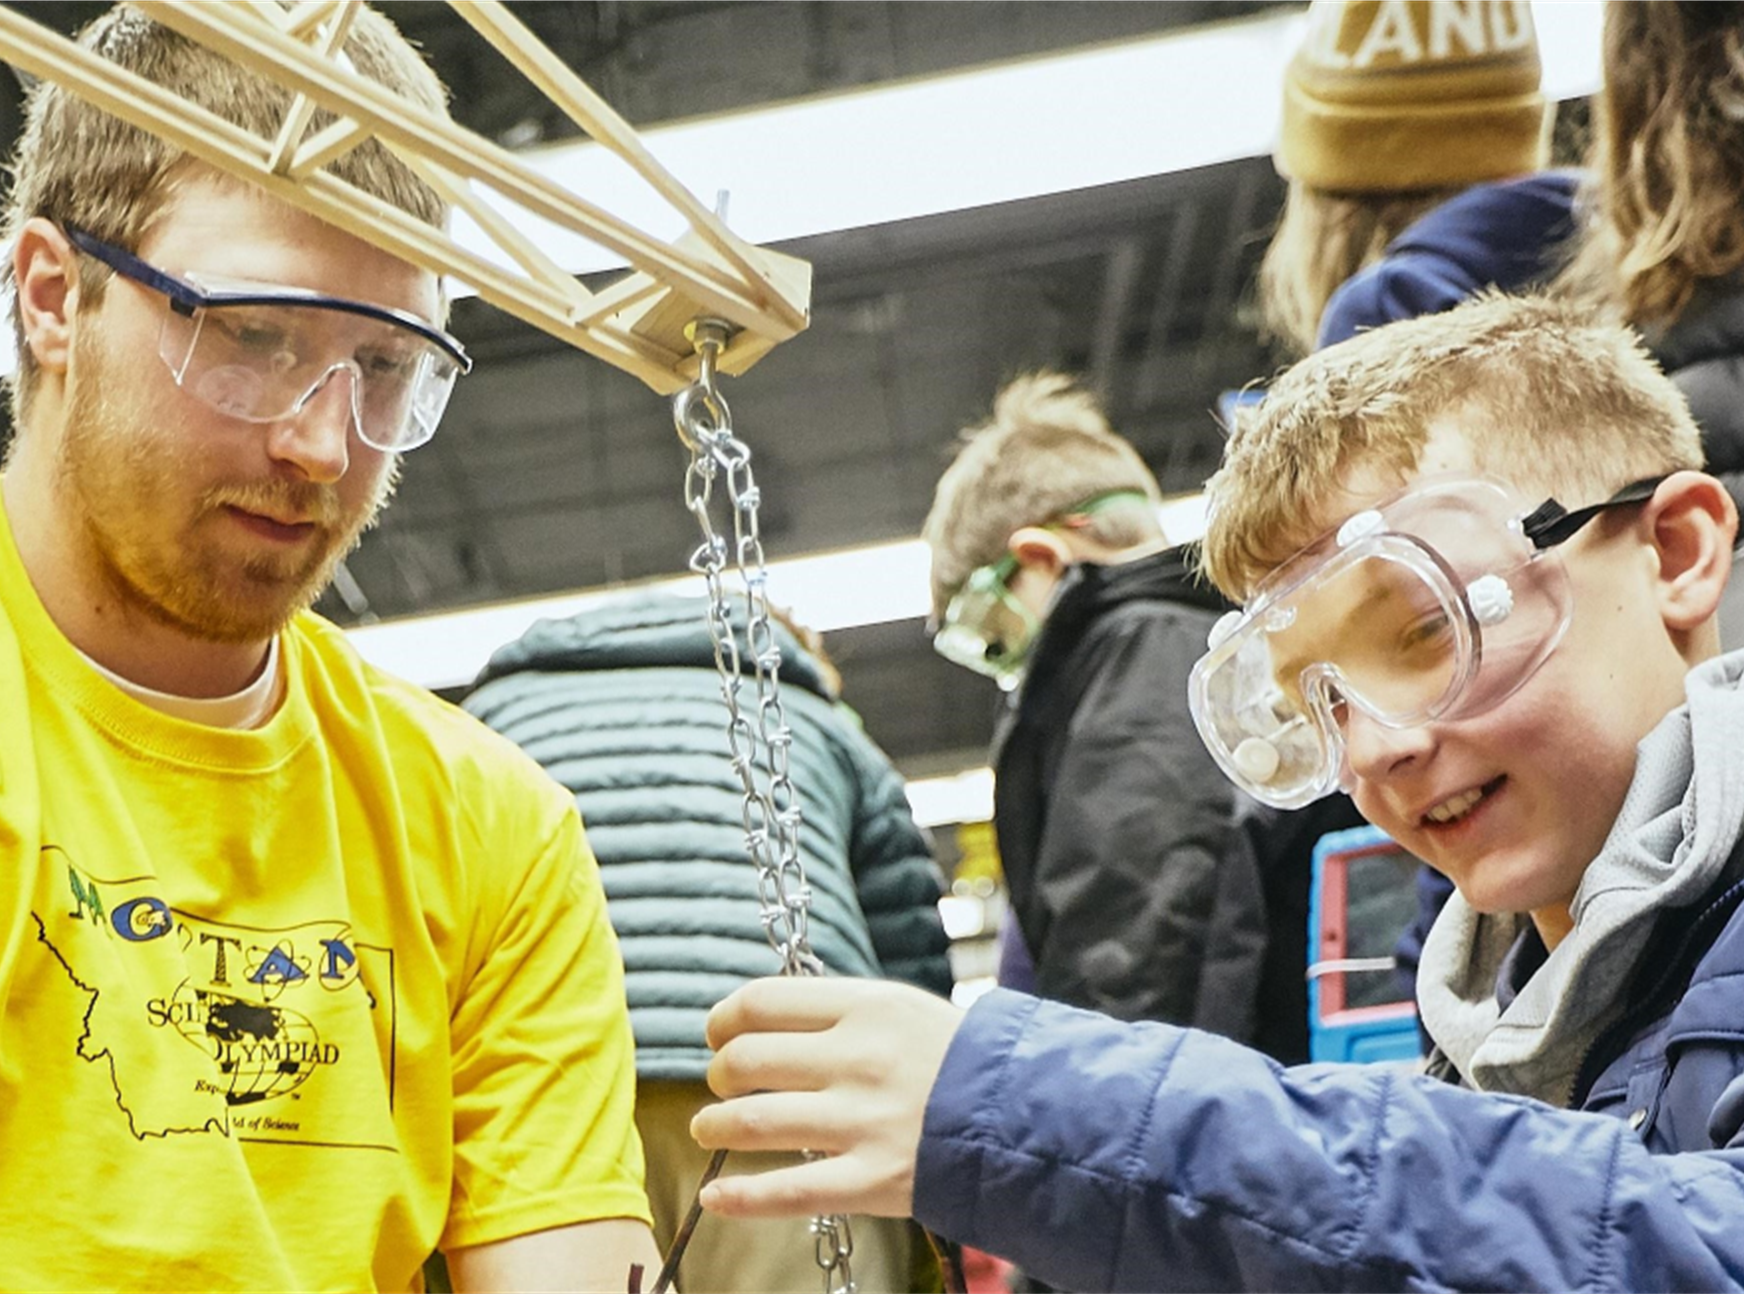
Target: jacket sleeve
[1103, 1156]
[895, 876]
[1140, 909]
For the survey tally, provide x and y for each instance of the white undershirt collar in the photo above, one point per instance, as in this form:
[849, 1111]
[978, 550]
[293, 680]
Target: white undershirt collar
[249, 708]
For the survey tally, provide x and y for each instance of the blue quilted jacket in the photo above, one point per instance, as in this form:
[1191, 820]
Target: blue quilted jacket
[1109, 1156]
[1105, 1156]
[622, 705]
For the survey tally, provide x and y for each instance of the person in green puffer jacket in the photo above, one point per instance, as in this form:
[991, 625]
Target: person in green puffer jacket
[622, 705]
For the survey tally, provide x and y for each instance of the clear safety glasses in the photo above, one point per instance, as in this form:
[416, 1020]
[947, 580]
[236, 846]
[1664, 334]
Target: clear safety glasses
[1436, 604]
[260, 352]
[986, 628]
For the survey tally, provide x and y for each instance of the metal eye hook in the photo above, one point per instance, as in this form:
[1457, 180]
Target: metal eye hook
[700, 415]
[709, 337]
[699, 411]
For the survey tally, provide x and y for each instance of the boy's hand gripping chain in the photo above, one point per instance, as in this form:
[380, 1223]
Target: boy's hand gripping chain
[770, 811]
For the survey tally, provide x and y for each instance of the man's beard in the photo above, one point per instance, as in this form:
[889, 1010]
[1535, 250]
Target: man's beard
[136, 513]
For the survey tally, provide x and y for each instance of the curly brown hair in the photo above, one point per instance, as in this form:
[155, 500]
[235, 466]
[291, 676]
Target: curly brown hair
[1667, 157]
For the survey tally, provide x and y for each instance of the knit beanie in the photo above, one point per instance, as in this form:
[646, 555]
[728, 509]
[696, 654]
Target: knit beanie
[1396, 95]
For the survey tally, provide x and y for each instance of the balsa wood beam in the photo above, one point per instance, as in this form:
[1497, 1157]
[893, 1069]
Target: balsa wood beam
[637, 324]
[585, 108]
[406, 128]
[296, 123]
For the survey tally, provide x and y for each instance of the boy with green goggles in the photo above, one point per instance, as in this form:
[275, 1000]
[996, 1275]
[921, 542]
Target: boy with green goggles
[987, 627]
[1052, 574]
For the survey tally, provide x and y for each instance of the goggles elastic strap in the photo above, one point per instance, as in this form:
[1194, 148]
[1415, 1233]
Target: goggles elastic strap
[1096, 503]
[1550, 523]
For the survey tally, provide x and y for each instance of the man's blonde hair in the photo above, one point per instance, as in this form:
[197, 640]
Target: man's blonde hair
[1047, 448]
[1548, 398]
[76, 164]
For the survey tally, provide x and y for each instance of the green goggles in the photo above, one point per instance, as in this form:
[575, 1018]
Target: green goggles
[986, 628]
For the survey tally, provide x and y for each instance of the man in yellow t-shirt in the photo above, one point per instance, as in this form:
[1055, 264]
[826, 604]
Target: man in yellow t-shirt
[303, 974]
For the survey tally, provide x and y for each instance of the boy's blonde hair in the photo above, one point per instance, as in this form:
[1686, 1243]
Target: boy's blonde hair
[1548, 398]
[1047, 448]
[76, 164]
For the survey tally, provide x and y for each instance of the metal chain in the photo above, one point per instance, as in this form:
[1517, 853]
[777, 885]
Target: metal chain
[720, 463]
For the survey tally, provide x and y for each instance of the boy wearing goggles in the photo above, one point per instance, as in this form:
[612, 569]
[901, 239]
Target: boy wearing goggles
[1051, 573]
[1479, 566]
[304, 975]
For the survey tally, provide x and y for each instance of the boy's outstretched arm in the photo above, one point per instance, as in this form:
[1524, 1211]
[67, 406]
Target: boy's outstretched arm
[1108, 1156]
[840, 1066]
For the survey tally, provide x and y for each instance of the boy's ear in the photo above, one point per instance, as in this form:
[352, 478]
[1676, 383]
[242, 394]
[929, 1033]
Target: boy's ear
[1035, 547]
[45, 272]
[1692, 521]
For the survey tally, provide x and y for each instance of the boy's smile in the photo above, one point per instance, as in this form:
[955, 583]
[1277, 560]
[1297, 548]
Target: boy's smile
[1452, 811]
[1513, 803]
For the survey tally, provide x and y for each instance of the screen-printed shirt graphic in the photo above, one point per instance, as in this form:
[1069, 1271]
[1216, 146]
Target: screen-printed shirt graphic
[210, 1027]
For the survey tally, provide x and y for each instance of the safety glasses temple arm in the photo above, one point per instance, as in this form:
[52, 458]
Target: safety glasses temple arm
[364, 309]
[184, 297]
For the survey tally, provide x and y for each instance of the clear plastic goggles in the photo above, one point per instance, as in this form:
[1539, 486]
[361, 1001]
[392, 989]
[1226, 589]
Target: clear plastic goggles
[1437, 604]
[986, 628]
[261, 352]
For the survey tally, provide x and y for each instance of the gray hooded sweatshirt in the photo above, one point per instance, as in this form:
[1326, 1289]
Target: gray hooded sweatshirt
[1673, 836]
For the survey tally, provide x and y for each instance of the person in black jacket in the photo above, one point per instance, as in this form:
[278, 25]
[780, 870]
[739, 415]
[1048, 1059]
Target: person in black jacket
[1051, 571]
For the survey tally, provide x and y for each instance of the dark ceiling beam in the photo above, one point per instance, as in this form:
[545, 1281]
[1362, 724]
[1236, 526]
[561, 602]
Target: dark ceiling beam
[1239, 244]
[1120, 273]
[1153, 370]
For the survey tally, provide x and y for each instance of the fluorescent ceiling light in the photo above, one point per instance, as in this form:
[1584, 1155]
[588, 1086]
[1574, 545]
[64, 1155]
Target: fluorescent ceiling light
[1570, 47]
[962, 797]
[835, 590]
[1183, 518]
[997, 134]
[844, 589]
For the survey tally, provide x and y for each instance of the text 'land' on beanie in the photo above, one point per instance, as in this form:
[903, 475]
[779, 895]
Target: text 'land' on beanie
[1399, 95]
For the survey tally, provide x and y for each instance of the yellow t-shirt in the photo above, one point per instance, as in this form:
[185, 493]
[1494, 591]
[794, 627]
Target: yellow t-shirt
[291, 1007]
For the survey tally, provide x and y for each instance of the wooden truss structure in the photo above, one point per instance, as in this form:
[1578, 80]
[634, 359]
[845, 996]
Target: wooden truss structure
[637, 323]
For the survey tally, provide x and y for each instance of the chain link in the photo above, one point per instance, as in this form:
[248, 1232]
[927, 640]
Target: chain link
[720, 465]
